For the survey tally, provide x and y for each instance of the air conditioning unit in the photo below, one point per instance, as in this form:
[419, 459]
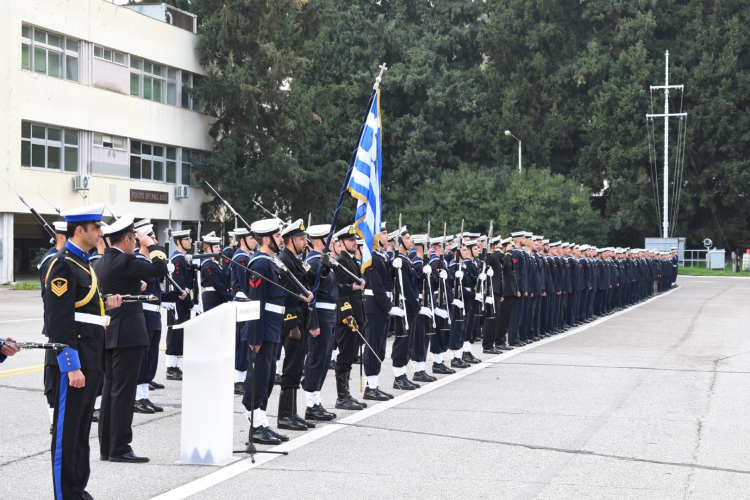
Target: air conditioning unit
[181, 191]
[81, 182]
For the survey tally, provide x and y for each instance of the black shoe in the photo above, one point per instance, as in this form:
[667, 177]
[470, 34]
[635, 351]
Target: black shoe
[104, 458]
[277, 379]
[130, 458]
[278, 436]
[262, 436]
[51, 427]
[468, 357]
[140, 406]
[491, 350]
[239, 388]
[503, 347]
[332, 365]
[157, 409]
[286, 409]
[421, 376]
[458, 363]
[347, 403]
[361, 403]
[326, 411]
[174, 374]
[517, 344]
[441, 369]
[95, 416]
[404, 384]
[375, 394]
[317, 413]
[290, 424]
[155, 385]
[302, 421]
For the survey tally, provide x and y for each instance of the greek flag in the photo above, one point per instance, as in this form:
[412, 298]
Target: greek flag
[364, 183]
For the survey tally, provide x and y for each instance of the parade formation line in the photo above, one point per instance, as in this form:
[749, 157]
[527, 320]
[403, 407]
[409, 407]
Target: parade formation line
[230, 471]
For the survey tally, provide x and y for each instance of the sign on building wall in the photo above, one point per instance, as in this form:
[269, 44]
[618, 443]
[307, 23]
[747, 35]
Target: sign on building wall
[142, 196]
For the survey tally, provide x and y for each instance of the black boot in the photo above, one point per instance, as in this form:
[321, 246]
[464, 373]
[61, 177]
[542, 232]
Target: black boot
[295, 416]
[239, 388]
[286, 408]
[344, 401]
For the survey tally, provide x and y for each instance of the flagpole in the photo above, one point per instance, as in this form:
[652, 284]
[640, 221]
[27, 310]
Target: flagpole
[345, 188]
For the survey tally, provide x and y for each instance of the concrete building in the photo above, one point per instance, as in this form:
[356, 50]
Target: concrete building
[93, 108]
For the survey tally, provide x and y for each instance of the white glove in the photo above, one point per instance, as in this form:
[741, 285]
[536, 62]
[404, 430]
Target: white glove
[458, 303]
[490, 300]
[479, 297]
[397, 263]
[443, 274]
[169, 306]
[441, 313]
[490, 272]
[197, 308]
[427, 270]
[482, 276]
[397, 311]
[170, 268]
[425, 311]
[459, 275]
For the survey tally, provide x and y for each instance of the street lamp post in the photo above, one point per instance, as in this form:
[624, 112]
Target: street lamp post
[507, 132]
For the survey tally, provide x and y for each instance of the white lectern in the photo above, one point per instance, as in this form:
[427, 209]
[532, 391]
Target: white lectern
[208, 383]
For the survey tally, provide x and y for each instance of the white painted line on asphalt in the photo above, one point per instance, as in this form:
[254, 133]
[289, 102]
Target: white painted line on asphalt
[230, 471]
[17, 320]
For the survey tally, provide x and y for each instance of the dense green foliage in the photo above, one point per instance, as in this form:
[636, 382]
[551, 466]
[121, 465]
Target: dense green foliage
[289, 81]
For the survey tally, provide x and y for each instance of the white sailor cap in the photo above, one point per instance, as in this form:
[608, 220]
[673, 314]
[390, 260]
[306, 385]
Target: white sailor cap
[183, 233]
[600, 250]
[419, 239]
[347, 233]
[545, 242]
[241, 232]
[211, 239]
[673, 248]
[382, 226]
[454, 246]
[565, 244]
[584, 247]
[61, 227]
[572, 244]
[295, 228]
[536, 237]
[122, 225]
[318, 231]
[472, 236]
[555, 244]
[471, 243]
[145, 226]
[231, 233]
[436, 241]
[528, 234]
[495, 240]
[626, 248]
[81, 214]
[518, 234]
[483, 238]
[398, 232]
[506, 240]
[265, 227]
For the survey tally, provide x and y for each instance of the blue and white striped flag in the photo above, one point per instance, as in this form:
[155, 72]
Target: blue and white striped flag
[364, 183]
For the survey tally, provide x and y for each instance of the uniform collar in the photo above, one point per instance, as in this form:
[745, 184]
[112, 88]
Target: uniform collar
[73, 248]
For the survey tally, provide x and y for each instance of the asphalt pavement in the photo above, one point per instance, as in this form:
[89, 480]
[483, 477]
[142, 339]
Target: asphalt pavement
[651, 402]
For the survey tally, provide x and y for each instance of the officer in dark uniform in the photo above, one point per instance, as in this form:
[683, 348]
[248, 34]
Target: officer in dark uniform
[300, 324]
[241, 290]
[183, 276]
[319, 347]
[379, 308]
[227, 253]
[61, 237]
[152, 315]
[264, 336]
[519, 268]
[350, 304]
[443, 291]
[126, 338]
[74, 314]
[418, 339]
[491, 332]
[214, 280]
[469, 251]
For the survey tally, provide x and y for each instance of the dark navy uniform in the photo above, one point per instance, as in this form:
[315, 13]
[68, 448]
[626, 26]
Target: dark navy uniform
[74, 314]
[215, 285]
[183, 276]
[241, 281]
[400, 348]
[43, 266]
[378, 304]
[319, 348]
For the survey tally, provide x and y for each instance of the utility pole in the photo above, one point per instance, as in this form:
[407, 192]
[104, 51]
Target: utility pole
[666, 116]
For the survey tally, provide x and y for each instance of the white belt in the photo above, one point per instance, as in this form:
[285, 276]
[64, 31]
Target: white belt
[163, 304]
[274, 308]
[209, 289]
[370, 292]
[92, 319]
[325, 305]
[241, 295]
[421, 296]
[151, 307]
[468, 289]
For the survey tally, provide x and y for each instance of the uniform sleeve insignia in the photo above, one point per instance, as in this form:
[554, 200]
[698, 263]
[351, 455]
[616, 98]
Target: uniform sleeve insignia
[158, 254]
[515, 261]
[59, 286]
[255, 284]
[347, 306]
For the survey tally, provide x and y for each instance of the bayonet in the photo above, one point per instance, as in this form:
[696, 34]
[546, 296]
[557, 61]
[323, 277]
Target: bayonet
[41, 220]
[50, 203]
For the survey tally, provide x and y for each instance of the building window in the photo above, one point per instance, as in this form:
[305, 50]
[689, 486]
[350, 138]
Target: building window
[189, 81]
[109, 141]
[49, 54]
[110, 55]
[171, 164]
[147, 161]
[49, 147]
[191, 163]
[153, 81]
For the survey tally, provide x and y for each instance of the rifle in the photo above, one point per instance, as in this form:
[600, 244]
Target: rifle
[168, 277]
[50, 203]
[427, 301]
[34, 345]
[445, 323]
[458, 291]
[132, 298]
[402, 324]
[234, 212]
[41, 220]
[489, 289]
